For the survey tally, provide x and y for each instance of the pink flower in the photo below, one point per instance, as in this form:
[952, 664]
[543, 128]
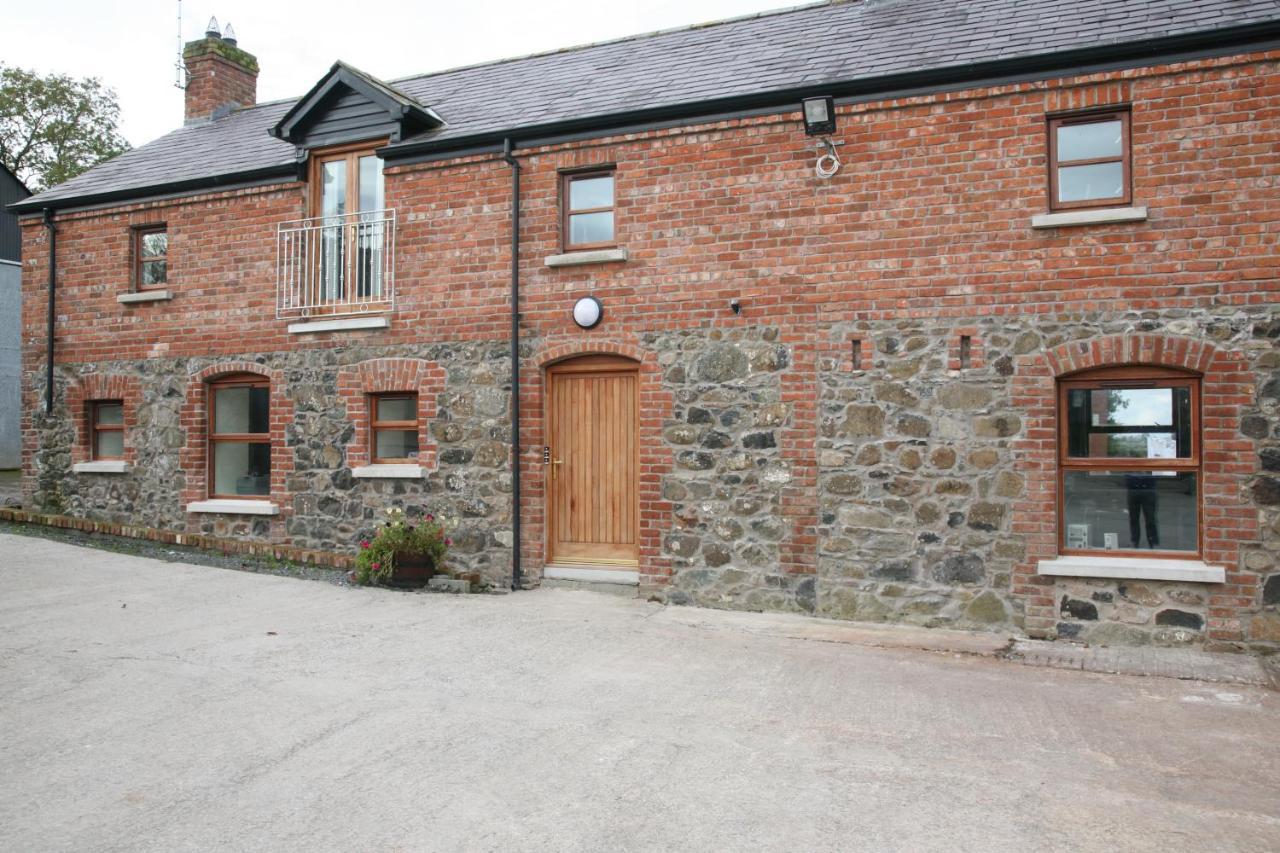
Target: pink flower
[376, 566]
[448, 541]
[364, 543]
[430, 517]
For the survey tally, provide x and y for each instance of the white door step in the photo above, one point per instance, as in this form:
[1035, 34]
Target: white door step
[591, 574]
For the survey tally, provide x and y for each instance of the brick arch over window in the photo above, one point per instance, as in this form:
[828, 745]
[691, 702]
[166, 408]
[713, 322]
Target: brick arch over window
[193, 458]
[90, 387]
[385, 375]
[1229, 519]
[655, 458]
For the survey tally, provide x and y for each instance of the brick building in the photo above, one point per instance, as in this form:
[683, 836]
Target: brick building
[988, 339]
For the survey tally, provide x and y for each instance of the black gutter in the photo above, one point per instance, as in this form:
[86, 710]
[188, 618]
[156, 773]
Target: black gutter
[1231, 40]
[235, 180]
[53, 282]
[515, 361]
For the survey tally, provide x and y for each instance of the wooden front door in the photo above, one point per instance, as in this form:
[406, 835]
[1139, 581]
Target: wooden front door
[592, 478]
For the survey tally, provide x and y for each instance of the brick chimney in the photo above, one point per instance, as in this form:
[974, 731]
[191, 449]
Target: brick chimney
[220, 76]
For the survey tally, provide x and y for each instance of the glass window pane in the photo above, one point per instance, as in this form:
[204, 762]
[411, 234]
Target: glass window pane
[1141, 423]
[591, 228]
[397, 408]
[241, 468]
[397, 444]
[109, 443]
[154, 243]
[591, 192]
[371, 183]
[110, 414]
[1082, 183]
[241, 409]
[155, 272]
[333, 188]
[1090, 141]
[1127, 510]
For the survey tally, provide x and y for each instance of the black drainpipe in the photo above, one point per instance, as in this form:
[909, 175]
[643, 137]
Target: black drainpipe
[515, 361]
[53, 282]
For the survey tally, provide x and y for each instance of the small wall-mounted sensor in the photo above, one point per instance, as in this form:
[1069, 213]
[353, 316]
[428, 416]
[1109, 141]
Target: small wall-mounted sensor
[735, 306]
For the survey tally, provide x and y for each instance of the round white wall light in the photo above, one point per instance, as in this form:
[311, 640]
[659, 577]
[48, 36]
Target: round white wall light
[587, 312]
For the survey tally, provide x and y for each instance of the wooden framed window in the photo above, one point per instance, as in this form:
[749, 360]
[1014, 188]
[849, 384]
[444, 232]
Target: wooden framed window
[587, 210]
[1129, 462]
[106, 429]
[150, 256]
[393, 430]
[347, 179]
[240, 437]
[1089, 160]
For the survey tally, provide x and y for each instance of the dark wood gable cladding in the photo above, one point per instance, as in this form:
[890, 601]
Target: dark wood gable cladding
[348, 105]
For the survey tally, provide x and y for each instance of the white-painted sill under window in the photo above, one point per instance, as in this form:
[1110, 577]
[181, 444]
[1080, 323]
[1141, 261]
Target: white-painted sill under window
[234, 507]
[101, 466]
[138, 296]
[341, 324]
[594, 256]
[389, 471]
[1091, 216]
[1132, 568]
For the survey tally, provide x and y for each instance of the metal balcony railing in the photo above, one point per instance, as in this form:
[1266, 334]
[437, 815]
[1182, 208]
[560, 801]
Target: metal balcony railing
[331, 266]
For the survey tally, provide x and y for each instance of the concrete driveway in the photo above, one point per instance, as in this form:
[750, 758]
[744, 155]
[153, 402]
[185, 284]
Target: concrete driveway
[159, 706]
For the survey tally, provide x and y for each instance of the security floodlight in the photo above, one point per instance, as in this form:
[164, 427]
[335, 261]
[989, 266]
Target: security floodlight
[819, 116]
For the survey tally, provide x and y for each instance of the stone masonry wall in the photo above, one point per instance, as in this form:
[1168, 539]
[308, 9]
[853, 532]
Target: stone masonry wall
[327, 508]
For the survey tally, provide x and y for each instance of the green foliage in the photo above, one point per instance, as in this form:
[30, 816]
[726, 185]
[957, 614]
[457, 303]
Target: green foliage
[376, 559]
[54, 127]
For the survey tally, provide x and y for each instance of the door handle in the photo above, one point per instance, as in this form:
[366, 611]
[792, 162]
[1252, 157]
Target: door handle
[555, 472]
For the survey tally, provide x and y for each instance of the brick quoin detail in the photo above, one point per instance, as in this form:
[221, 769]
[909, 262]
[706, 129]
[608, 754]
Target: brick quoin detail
[193, 458]
[655, 456]
[1229, 520]
[92, 387]
[383, 376]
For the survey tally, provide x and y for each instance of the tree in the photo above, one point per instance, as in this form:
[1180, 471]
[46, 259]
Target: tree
[54, 127]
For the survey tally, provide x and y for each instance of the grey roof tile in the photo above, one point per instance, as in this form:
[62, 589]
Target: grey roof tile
[826, 43]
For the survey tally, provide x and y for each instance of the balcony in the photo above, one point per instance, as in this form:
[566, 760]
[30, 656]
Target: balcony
[336, 266]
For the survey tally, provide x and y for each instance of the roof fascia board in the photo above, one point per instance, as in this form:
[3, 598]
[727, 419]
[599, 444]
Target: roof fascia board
[1215, 43]
[162, 192]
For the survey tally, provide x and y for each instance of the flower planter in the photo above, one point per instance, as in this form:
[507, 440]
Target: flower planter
[411, 570]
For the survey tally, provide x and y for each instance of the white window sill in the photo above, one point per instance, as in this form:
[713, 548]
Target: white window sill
[101, 466]
[596, 256]
[342, 324]
[389, 472]
[1093, 216]
[1132, 568]
[144, 296]
[234, 507]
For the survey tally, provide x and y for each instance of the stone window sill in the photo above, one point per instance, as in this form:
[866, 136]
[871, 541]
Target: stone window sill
[597, 256]
[234, 507]
[1132, 568]
[144, 296]
[1094, 216]
[341, 324]
[389, 472]
[101, 466]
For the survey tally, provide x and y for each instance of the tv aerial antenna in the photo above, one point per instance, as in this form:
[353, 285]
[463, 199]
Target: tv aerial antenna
[179, 67]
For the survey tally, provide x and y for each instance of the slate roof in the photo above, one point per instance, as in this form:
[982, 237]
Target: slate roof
[804, 48]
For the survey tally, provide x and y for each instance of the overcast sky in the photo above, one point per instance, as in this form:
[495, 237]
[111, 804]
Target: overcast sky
[132, 44]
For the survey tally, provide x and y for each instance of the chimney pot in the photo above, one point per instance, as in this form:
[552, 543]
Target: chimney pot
[211, 29]
[229, 34]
